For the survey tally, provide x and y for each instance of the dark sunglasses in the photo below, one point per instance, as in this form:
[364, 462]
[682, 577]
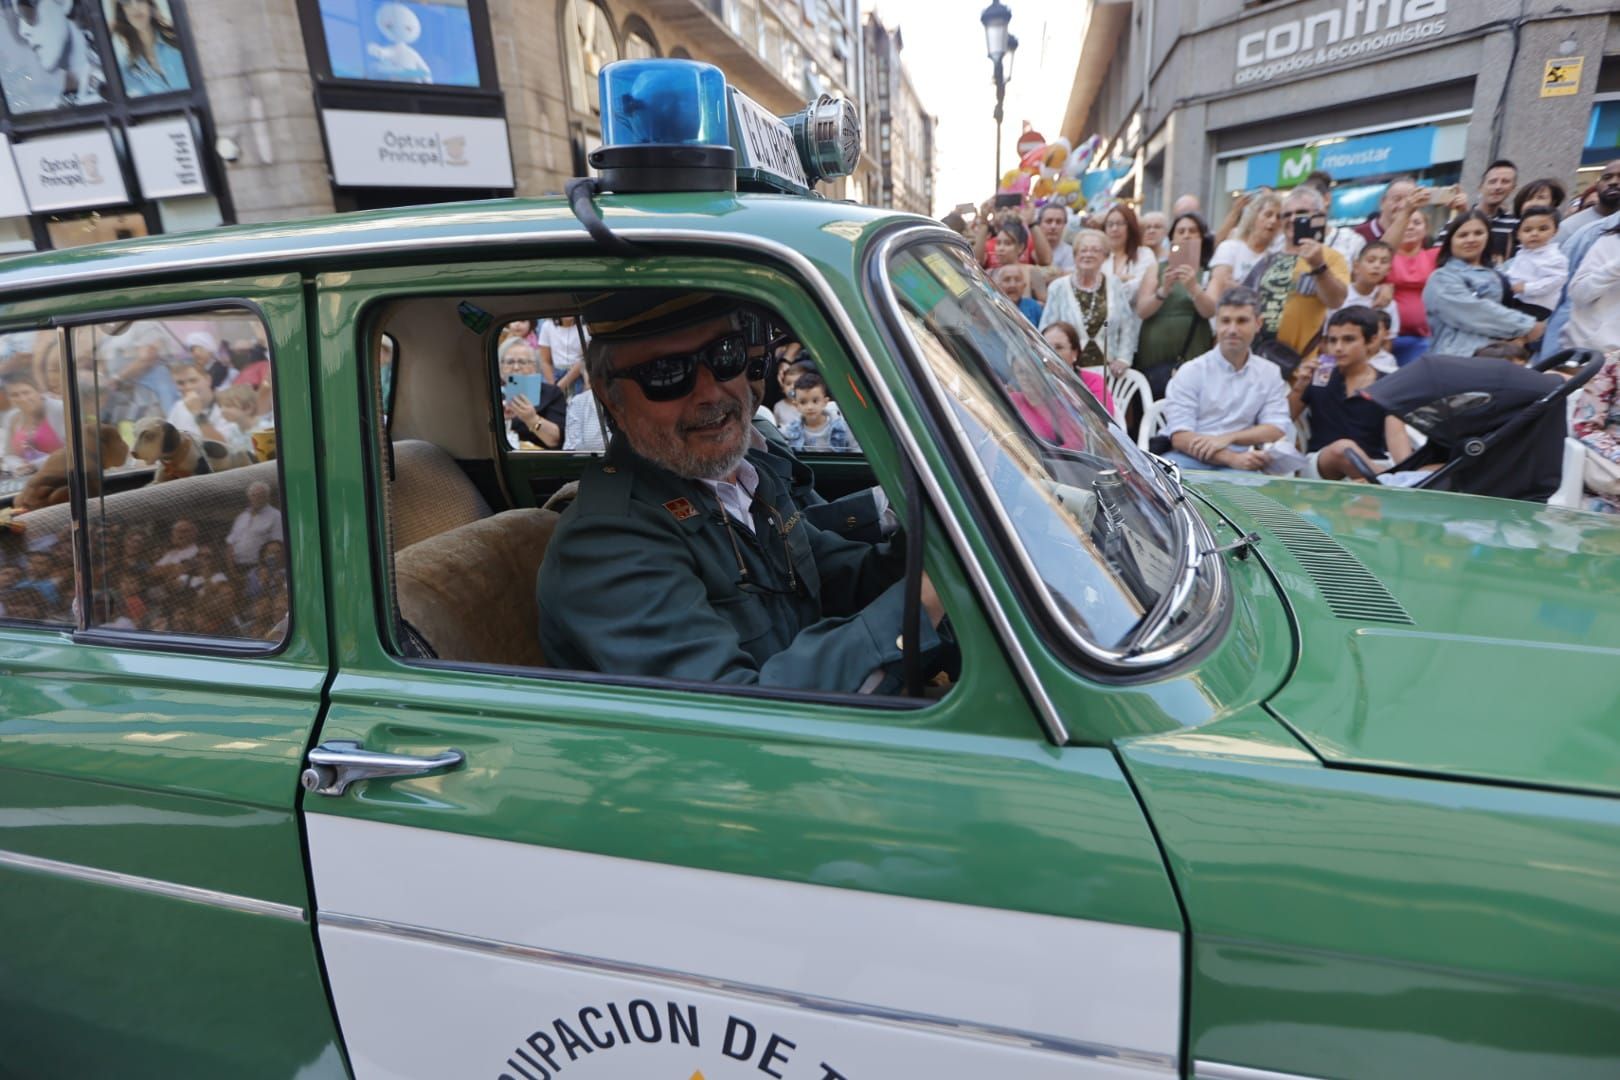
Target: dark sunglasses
[666, 378]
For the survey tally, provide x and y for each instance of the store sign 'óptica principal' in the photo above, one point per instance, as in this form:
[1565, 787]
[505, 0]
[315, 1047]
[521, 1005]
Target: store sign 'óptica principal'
[1351, 29]
[417, 150]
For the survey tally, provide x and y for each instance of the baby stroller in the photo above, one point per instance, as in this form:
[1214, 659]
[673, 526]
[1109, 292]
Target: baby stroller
[1493, 427]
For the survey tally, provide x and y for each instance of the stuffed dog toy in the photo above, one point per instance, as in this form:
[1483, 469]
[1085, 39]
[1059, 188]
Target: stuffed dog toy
[178, 455]
[49, 484]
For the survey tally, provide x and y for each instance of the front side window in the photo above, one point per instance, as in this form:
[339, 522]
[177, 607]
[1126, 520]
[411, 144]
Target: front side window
[728, 559]
[1099, 527]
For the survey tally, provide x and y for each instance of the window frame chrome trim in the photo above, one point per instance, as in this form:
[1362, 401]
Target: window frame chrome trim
[1118, 661]
[287, 258]
[173, 890]
[1220, 1070]
[919, 1022]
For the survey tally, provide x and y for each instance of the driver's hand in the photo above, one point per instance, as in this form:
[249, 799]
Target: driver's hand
[930, 601]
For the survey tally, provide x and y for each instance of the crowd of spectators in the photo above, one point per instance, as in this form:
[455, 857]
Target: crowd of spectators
[191, 562]
[549, 404]
[1498, 269]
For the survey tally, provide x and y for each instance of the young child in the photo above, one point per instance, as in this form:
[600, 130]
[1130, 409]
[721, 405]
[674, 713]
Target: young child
[1539, 268]
[788, 376]
[1369, 286]
[1383, 360]
[817, 427]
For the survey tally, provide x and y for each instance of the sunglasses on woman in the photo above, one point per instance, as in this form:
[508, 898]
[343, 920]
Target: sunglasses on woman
[666, 378]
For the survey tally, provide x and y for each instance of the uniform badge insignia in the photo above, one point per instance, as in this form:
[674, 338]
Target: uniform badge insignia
[681, 509]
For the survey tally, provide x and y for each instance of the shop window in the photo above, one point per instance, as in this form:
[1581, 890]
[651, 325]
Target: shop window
[589, 45]
[1602, 134]
[428, 44]
[76, 230]
[15, 235]
[639, 42]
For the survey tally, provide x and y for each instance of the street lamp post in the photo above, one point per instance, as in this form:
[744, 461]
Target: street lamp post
[998, 46]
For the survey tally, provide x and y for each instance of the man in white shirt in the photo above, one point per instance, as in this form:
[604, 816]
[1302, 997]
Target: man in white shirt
[254, 527]
[1223, 407]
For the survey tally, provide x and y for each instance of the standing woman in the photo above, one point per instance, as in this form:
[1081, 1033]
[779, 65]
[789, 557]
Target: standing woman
[1175, 308]
[1096, 305]
[1128, 260]
[1464, 297]
[1257, 229]
[1548, 192]
[1409, 271]
[32, 429]
[148, 49]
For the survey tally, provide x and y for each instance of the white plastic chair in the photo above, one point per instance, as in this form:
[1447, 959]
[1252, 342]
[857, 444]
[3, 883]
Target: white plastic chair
[1572, 482]
[1125, 389]
[1152, 421]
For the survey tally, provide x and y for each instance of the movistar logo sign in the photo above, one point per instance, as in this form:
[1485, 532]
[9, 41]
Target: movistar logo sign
[1351, 29]
[1296, 165]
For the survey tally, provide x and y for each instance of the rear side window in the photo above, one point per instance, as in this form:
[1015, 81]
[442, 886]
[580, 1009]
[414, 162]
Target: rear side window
[37, 584]
[183, 531]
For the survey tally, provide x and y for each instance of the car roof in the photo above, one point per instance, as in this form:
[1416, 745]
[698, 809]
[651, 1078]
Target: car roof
[389, 234]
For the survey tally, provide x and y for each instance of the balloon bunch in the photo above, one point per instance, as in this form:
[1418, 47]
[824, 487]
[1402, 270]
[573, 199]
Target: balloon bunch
[1050, 174]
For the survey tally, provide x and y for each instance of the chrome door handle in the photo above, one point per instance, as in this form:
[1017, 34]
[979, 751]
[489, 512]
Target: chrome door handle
[335, 765]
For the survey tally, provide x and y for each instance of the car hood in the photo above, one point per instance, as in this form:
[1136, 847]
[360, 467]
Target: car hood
[1441, 633]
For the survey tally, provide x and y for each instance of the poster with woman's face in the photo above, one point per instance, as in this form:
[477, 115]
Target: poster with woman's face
[48, 57]
[146, 46]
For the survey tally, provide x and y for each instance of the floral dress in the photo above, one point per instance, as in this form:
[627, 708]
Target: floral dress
[1596, 424]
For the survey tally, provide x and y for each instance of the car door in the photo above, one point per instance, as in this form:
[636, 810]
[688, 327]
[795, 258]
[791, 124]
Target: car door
[160, 675]
[626, 879]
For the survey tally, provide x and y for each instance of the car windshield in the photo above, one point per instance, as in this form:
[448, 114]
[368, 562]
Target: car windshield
[1095, 522]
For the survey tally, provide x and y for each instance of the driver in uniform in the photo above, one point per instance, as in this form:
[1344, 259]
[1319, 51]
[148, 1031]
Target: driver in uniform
[685, 554]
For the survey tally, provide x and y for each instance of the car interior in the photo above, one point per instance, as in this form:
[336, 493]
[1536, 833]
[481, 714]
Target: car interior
[469, 508]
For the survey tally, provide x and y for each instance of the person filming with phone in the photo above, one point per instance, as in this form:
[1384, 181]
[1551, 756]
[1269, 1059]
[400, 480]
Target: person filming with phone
[1299, 284]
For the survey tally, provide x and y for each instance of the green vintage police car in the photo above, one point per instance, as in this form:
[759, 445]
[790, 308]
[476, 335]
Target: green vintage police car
[288, 788]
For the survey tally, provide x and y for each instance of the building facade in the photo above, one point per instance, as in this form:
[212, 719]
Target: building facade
[1225, 95]
[899, 166]
[129, 117]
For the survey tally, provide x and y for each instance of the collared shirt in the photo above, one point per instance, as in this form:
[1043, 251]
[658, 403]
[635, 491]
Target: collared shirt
[251, 530]
[1209, 396]
[737, 497]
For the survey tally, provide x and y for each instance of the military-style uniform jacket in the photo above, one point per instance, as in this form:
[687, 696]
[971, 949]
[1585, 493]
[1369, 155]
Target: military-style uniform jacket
[856, 515]
[644, 577]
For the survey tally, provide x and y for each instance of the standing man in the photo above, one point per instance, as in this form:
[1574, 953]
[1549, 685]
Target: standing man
[1608, 201]
[1304, 280]
[1221, 407]
[1053, 221]
[685, 555]
[1496, 203]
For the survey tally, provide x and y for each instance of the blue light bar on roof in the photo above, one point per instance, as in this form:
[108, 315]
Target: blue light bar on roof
[663, 103]
[664, 128]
